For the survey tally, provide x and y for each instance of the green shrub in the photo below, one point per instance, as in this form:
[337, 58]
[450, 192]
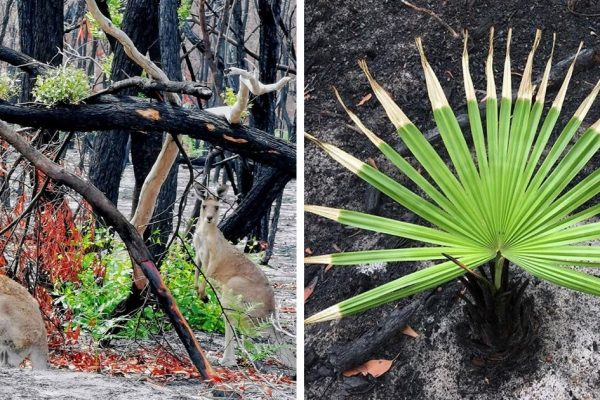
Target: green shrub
[9, 87]
[93, 299]
[106, 65]
[63, 84]
[184, 10]
[178, 274]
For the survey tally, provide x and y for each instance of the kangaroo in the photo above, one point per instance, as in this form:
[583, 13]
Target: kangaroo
[238, 281]
[22, 330]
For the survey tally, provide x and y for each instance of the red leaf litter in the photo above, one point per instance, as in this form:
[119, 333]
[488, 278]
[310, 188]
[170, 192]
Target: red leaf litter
[226, 375]
[155, 364]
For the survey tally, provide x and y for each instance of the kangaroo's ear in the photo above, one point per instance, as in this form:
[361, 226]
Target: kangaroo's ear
[221, 190]
[200, 191]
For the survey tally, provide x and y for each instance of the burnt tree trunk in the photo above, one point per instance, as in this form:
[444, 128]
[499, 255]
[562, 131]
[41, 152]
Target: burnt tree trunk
[140, 22]
[255, 205]
[263, 118]
[238, 28]
[41, 35]
[263, 112]
[41, 29]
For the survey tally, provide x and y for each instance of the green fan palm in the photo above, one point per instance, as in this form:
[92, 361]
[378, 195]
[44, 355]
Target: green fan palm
[509, 201]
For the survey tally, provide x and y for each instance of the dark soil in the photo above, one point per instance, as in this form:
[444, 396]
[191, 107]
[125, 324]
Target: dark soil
[338, 33]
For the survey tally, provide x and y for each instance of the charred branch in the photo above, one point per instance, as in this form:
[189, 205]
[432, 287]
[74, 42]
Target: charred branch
[109, 112]
[132, 239]
[356, 353]
[255, 205]
[22, 61]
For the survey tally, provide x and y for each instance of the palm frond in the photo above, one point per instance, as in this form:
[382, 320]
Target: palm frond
[501, 199]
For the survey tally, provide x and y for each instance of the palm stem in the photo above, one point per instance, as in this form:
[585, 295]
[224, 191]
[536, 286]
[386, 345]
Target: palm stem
[498, 270]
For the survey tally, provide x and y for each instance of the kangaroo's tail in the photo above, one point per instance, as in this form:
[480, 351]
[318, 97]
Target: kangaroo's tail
[276, 335]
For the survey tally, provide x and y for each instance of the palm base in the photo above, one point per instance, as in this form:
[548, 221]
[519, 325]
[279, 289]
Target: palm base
[502, 322]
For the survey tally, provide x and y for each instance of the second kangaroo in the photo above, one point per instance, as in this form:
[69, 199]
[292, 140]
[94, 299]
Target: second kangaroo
[238, 281]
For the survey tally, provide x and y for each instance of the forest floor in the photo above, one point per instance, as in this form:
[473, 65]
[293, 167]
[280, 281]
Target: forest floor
[563, 364]
[270, 381]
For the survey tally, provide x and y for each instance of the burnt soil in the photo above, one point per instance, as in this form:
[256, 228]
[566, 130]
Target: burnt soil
[564, 362]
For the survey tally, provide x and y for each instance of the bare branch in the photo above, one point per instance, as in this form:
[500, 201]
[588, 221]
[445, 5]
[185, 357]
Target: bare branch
[190, 88]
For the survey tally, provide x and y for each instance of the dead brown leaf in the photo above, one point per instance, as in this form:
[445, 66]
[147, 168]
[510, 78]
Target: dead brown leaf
[375, 368]
[308, 291]
[365, 99]
[408, 331]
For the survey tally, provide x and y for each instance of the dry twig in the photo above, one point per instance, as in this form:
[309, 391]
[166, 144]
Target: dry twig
[432, 14]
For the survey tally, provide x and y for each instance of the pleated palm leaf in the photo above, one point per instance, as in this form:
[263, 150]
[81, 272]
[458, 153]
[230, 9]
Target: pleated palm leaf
[509, 201]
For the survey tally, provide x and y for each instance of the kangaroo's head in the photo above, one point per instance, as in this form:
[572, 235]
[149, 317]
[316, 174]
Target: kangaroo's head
[209, 210]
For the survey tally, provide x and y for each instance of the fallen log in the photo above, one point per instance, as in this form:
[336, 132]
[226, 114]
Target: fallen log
[125, 112]
[132, 239]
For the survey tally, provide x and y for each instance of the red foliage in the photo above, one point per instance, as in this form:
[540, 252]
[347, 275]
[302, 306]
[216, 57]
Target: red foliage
[59, 242]
[53, 318]
[159, 366]
[155, 362]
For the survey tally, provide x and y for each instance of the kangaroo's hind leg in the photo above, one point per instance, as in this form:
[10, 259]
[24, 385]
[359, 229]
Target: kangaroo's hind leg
[228, 359]
[9, 357]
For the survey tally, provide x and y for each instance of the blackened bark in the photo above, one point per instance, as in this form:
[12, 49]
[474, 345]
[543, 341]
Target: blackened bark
[41, 29]
[255, 204]
[140, 23]
[170, 41]
[22, 60]
[263, 111]
[41, 34]
[238, 27]
[110, 112]
[359, 350]
[263, 115]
